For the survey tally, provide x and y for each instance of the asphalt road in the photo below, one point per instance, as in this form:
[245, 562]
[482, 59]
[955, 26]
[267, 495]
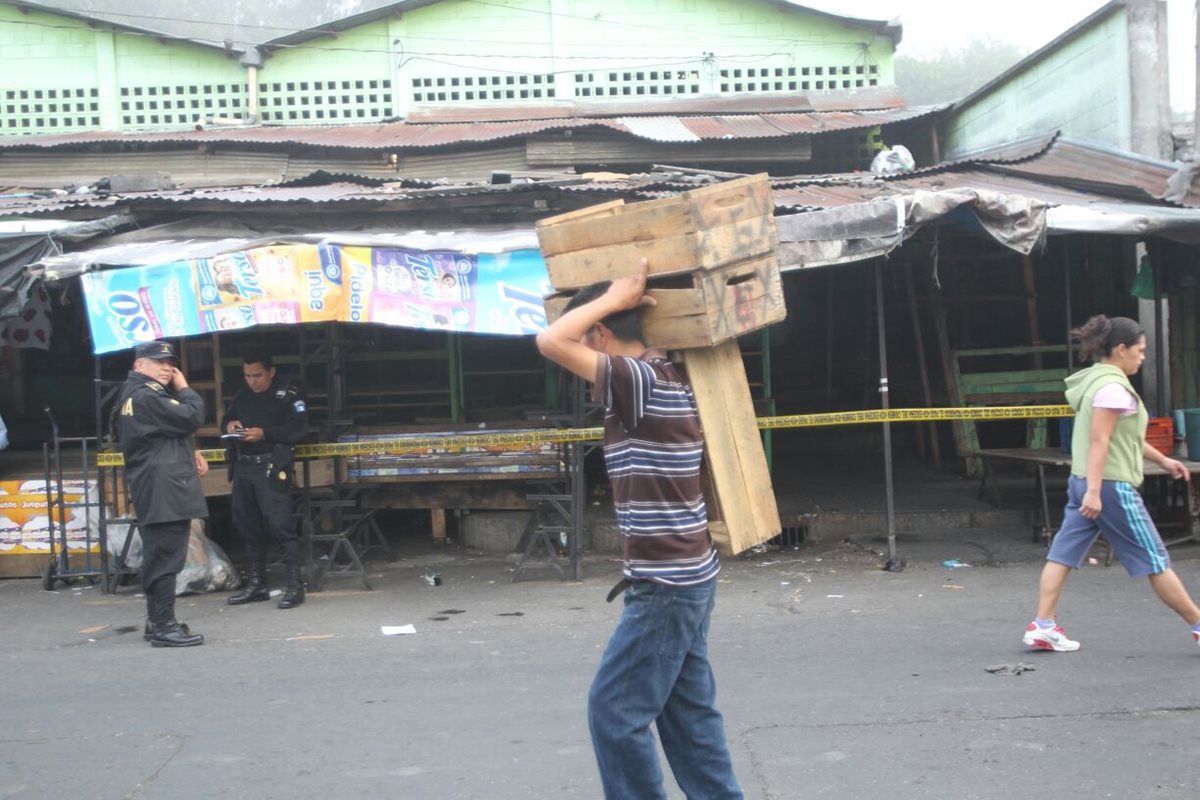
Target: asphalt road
[837, 680]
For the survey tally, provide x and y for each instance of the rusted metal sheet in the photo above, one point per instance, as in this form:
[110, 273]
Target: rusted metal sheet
[404, 135]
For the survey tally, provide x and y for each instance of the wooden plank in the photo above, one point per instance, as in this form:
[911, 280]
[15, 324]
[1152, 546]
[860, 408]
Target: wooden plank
[745, 506]
[666, 253]
[696, 211]
[437, 517]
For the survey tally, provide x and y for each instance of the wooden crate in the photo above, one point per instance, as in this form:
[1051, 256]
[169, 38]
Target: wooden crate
[741, 501]
[700, 309]
[699, 230]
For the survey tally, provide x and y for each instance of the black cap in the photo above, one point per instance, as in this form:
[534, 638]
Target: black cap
[159, 351]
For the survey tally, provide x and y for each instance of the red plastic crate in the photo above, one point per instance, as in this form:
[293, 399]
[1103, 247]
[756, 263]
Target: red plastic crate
[1160, 434]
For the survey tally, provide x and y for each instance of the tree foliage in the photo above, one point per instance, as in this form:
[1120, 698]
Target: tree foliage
[954, 74]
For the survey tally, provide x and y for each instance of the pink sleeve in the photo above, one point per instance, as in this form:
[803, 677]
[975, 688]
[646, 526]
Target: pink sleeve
[1116, 397]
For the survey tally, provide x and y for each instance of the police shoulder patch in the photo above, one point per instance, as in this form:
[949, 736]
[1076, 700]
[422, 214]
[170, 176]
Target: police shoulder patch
[155, 385]
[299, 406]
[280, 394]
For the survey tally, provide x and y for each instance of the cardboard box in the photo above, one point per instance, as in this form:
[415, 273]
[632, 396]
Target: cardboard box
[699, 230]
[700, 309]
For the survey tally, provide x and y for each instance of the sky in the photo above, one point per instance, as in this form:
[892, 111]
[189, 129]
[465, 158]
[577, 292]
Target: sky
[934, 25]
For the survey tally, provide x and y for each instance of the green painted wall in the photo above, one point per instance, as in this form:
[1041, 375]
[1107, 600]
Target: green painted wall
[342, 79]
[59, 75]
[511, 52]
[628, 49]
[1082, 89]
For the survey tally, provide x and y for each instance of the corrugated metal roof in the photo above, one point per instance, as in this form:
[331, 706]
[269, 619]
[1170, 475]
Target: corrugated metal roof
[660, 129]
[51, 170]
[186, 168]
[872, 98]
[402, 135]
[1065, 173]
[1087, 166]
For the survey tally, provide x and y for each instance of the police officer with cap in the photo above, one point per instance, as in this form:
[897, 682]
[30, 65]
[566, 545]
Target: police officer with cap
[155, 420]
[264, 419]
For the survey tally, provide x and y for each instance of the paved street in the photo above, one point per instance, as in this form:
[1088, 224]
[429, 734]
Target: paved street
[837, 681]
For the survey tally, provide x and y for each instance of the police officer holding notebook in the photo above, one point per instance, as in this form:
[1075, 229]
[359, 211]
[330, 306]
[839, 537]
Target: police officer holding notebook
[263, 421]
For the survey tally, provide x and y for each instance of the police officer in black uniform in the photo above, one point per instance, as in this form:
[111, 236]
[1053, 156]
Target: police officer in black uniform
[268, 416]
[155, 419]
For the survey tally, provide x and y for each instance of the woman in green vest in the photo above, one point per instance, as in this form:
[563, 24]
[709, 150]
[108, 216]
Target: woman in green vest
[1108, 447]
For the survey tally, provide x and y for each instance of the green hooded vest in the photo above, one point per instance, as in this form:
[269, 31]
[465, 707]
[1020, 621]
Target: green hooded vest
[1124, 462]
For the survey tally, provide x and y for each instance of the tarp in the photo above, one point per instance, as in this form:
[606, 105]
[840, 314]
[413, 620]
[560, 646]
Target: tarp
[868, 230]
[197, 239]
[17, 251]
[1127, 219]
[453, 290]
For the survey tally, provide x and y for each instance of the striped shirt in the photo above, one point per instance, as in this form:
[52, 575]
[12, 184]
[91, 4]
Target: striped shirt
[653, 448]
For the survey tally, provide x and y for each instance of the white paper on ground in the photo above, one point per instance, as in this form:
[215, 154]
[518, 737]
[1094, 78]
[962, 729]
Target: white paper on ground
[397, 630]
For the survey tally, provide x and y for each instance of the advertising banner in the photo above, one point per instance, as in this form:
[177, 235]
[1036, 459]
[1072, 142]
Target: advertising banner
[25, 522]
[140, 304]
[495, 293]
[284, 284]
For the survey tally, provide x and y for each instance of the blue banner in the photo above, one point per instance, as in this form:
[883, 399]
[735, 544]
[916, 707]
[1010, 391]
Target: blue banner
[490, 293]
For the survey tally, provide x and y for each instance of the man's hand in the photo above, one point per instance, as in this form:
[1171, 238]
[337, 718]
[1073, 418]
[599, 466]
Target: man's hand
[178, 381]
[630, 292]
[233, 426]
[1091, 506]
[201, 464]
[253, 435]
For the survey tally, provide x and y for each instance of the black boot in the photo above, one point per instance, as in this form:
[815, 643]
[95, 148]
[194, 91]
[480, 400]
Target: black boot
[256, 590]
[148, 634]
[165, 630]
[294, 594]
[173, 634]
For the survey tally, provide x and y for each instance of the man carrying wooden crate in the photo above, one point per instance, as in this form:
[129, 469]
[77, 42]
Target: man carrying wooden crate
[655, 667]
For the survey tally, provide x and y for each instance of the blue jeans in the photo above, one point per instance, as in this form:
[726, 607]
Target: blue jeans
[655, 669]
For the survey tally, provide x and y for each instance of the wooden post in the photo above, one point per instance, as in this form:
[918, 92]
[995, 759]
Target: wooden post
[922, 367]
[437, 518]
[943, 337]
[742, 509]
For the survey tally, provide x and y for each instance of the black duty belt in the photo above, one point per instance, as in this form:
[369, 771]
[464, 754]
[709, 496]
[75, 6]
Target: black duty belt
[265, 458]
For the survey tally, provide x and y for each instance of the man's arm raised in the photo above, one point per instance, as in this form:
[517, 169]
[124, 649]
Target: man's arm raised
[562, 342]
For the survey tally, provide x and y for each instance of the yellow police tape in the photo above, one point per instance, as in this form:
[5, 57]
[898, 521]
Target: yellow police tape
[516, 440]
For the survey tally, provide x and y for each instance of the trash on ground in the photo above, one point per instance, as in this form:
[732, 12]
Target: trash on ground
[433, 580]
[1010, 669]
[94, 629]
[310, 637]
[276, 592]
[1093, 562]
[954, 563]
[952, 586]
[397, 630]
[835, 596]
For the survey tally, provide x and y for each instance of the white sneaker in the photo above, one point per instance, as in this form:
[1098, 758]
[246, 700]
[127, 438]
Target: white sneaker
[1049, 639]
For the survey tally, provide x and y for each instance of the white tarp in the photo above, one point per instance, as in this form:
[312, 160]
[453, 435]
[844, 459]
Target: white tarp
[868, 230]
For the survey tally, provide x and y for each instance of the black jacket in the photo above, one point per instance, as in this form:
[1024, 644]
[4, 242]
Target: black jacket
[282, 414]
[155, 430]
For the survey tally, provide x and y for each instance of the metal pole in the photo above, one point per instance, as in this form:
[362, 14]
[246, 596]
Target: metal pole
[893, 563]
[1066, 250]
[1163, 405]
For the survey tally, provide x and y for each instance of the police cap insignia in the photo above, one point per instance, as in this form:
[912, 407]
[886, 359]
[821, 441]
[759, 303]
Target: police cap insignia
[157, 350]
